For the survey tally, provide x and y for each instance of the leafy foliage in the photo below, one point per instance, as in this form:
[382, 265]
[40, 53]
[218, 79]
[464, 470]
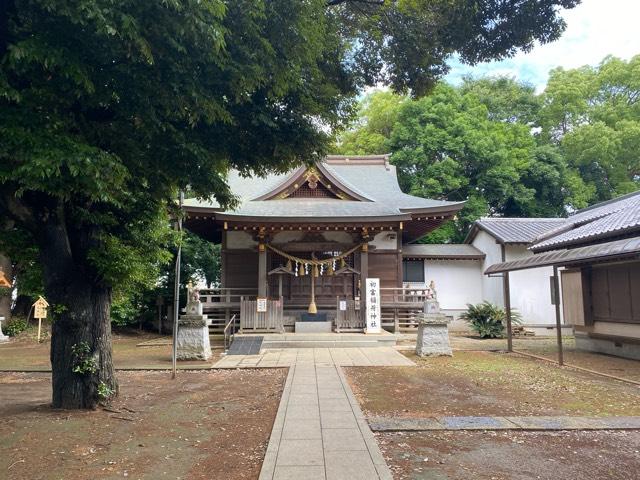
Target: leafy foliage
[107, 109]
[105, 392]
[506, 150]
[83, 361]
[451, 146]
[389, 44]
[593, 115]
[15, 326]
[488, 320]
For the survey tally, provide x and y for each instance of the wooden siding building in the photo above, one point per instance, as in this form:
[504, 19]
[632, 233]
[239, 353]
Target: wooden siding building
[308, 238]
[597, 254]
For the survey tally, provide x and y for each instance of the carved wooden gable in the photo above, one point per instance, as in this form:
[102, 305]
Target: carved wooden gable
[311, 182]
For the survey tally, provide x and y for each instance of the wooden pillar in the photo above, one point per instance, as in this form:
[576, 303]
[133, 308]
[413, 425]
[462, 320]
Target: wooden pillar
[223, 258]
[399, 247]
[556, 287]
[507, 303]
[507, 308]
[364, 262]
[223, 273]
[262, 270]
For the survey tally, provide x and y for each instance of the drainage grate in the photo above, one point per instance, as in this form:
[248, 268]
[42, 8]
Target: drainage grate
[246, 345]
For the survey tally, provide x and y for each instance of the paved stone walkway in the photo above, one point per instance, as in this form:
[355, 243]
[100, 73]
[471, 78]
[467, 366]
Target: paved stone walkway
[347, 357]
[320, 432]
[537, 423]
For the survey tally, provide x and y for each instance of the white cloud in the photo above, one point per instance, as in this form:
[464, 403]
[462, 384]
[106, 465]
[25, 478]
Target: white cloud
[595, 29]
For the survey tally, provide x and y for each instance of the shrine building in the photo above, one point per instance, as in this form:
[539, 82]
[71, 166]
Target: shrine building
[299, 245]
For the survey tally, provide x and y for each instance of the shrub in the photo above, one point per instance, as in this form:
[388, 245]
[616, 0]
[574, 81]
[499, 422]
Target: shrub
[15, 326]
[488, 320]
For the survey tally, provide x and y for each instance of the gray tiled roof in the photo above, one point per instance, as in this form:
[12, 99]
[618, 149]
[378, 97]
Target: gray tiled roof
[373, 180]
[618, 249]
[601, 221]
[514, 230]
[444, 250]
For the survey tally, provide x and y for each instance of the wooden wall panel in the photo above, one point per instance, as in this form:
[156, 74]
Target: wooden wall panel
[600, 293]
[572, 299]
[634, 281]
[615, 293]
[241, 269]
[385, 267]
[619, 293]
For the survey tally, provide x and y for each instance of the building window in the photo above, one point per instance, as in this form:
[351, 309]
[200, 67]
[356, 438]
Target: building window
[413, 271]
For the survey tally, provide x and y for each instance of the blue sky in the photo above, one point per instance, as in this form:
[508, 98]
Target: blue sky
[595, 28]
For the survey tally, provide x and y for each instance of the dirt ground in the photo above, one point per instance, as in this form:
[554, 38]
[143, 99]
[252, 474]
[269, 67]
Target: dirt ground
[208, 424]
[24, 353]
[486, 383]
[547, 347]
[508, 455]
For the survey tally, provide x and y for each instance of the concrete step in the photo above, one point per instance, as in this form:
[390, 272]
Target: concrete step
[328, 340]
[327, 344]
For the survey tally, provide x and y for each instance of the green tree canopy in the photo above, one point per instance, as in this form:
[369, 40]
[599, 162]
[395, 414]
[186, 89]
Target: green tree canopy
[593, 115]
[471, 143]
[107, 109]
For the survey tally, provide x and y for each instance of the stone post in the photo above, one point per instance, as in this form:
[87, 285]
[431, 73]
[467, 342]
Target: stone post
[193, 330]
[433, 332]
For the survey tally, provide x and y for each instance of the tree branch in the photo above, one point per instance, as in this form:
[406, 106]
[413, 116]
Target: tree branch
[332, 3]
[17, 211]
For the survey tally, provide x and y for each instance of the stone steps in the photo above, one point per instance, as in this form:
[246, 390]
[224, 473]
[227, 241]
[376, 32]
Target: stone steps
[327, 340]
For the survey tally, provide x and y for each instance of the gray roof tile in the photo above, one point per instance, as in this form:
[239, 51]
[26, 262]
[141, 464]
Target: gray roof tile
[604, 220]
[514, 230]
[369, 177]
[444, 250]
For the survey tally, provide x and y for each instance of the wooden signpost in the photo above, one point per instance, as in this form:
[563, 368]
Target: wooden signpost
[40, 312]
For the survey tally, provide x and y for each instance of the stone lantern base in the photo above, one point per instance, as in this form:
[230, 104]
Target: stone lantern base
[433, 335]
[193, 338]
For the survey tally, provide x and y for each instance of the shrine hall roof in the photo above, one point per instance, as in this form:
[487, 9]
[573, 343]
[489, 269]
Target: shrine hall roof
[369, 184]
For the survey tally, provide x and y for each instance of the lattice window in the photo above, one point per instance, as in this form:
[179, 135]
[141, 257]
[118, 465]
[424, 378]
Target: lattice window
[305, 191]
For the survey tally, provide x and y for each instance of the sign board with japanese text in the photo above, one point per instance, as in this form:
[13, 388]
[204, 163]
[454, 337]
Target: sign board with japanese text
[372, 299]
[40, 308]
[40, 312]
[343, 305]
[261, 304]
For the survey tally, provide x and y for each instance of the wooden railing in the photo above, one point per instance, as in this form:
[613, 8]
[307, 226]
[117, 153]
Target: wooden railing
[229, 332]
[220, 304]
[272, 320]
[348, 319]
[400, 307]
[405, 296]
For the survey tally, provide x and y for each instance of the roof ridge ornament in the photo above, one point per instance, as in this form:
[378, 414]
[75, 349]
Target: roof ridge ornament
[316, 179]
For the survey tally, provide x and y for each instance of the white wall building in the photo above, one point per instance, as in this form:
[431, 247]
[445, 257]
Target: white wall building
[458, 270]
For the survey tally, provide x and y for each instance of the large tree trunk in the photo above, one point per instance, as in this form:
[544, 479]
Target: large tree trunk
[5, 294]
[80, 305]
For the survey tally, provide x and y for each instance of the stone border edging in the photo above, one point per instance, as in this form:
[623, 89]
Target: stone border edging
[530, 423]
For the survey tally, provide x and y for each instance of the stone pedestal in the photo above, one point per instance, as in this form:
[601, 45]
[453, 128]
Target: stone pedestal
[193, 338]
[313, 327]
[3, 337]
[193, 330]
[433, 332]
